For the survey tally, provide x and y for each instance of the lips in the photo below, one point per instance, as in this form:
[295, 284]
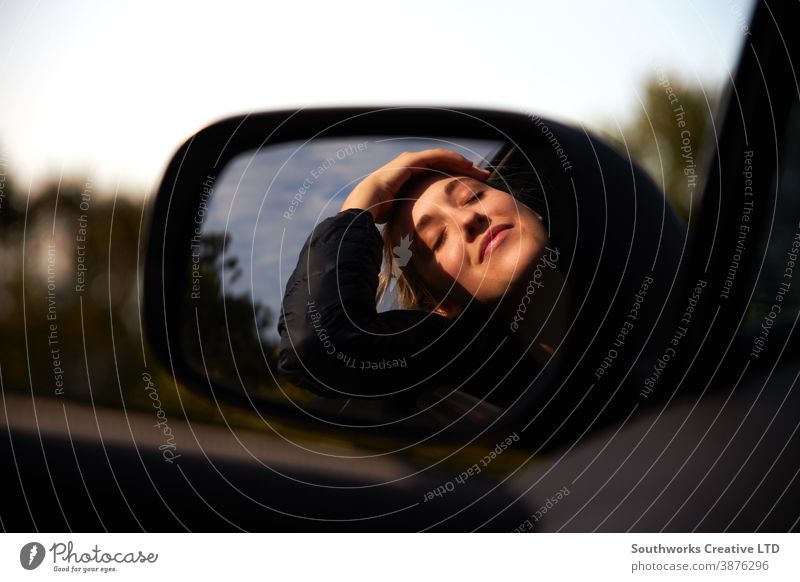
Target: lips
[493, 237]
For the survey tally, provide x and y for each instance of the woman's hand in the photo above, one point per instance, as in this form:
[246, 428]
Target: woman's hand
[377, 191]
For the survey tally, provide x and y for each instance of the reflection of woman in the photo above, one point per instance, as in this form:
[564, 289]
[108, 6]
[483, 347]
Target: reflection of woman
[469, 240]
[475, 265]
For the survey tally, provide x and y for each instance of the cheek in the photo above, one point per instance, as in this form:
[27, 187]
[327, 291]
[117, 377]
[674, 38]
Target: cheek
[525, 252]
[501, 204]
[449, 265]
[454, 261]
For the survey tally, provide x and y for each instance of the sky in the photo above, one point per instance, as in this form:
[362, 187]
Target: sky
[109, 90]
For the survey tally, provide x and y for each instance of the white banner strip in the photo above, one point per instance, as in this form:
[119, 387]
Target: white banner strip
[400, 557]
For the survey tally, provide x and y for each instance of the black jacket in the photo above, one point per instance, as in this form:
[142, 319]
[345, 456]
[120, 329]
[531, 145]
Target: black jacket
[336, 344]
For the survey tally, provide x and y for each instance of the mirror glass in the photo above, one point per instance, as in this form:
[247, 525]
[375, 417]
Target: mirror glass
[253, 219]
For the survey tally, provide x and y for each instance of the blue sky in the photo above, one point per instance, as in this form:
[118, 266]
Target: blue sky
[110, 90]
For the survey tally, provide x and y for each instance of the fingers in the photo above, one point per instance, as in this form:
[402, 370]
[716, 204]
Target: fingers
[396, 173]
[439, 159]
[378, 190]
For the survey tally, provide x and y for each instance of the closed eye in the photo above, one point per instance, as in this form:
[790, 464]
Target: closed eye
[474, 197]
[440, 239]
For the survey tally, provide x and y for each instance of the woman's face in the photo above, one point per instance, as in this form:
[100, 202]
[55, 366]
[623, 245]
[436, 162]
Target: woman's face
[466, 232]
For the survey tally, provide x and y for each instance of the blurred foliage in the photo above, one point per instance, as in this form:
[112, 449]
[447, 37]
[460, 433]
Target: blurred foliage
[654, 138]
[234, 344]
[70, 321]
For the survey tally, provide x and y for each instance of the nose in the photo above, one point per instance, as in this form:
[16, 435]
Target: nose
[472, 222]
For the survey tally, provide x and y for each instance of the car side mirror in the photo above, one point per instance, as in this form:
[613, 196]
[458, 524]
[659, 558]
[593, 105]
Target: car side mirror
[240, 198]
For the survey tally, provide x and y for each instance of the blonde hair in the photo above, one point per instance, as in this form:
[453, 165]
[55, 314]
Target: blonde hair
[410, 289]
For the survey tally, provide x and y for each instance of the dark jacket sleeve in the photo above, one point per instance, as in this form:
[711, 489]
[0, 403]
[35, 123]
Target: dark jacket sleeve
[333, 340]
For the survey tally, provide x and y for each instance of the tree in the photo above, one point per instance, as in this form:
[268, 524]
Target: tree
[671, 135]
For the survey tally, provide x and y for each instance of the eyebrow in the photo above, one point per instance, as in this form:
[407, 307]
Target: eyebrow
[448, 190]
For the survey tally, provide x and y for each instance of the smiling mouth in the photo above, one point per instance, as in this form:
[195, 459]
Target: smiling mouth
[493, 238]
